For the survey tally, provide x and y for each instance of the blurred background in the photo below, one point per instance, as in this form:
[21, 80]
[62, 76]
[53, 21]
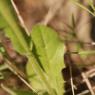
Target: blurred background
[76, 27]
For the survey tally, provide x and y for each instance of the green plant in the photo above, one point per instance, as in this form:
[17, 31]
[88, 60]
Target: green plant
[42, 47]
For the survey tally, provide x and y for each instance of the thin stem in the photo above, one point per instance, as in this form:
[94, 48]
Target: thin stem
[19, 74]
[52, 12]
[8, 90]
[86, 52]
[91, 2]
[20, 18]
[76, 41]
[72, 84]
[83, 7]
[82, 52]
[88, 83]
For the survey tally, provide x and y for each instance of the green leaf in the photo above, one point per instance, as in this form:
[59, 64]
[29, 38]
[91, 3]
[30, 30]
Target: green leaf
[35, 68]
[2, 22]
[50, 51]
[12, 27]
